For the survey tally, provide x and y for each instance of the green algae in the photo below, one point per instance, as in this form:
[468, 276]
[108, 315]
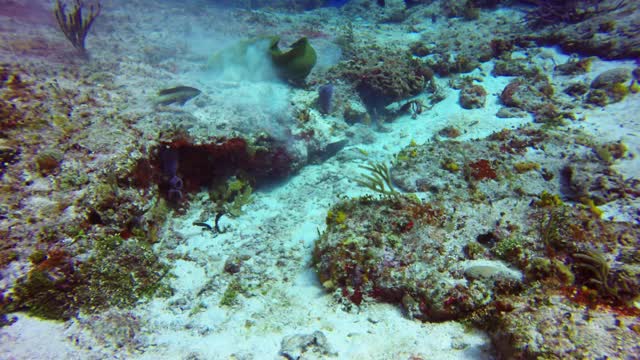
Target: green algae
[117, 273]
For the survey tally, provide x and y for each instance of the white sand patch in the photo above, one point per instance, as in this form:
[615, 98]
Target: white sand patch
[31, 338]
[378, 331]
[189, 276]
[617, 122]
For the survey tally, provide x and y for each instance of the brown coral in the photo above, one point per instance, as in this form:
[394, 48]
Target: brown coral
[384, 77]
[473, 97]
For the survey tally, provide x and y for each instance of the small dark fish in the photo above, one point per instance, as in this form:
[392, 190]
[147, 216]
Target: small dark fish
[177, 95]
[204, 225]
[413, 107]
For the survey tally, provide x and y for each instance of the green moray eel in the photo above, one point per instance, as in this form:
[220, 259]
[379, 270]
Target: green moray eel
[295, 64]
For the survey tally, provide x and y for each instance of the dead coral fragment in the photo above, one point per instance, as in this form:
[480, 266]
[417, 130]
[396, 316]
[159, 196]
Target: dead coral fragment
[473, 97]
[48, 162]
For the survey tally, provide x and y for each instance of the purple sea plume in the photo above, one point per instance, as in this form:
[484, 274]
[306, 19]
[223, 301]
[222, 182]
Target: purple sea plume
[169, 158]
[325, 98]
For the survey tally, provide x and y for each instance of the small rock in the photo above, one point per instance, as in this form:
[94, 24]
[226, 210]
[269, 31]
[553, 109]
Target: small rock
[48, 162]
[294, 346]
[526, 94]
[509, 112]
[355, 113]
[233, 265]
[514, 68]
[609, 87]
[473, 97]
[610, 77]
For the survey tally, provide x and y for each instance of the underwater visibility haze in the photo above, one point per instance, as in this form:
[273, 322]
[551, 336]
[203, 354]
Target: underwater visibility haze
[319, 179]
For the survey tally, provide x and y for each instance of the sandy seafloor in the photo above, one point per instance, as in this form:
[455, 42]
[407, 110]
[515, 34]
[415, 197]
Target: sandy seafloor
[278, 229]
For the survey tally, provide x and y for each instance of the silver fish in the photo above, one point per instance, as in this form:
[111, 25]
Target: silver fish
[176, 95]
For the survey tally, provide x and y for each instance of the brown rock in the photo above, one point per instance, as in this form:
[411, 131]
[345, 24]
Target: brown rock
[611, 77]
[473, 97]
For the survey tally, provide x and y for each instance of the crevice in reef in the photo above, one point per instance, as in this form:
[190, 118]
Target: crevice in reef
[180, 167]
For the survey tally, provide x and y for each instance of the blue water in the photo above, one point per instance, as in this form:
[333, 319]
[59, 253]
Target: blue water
[337, 3]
